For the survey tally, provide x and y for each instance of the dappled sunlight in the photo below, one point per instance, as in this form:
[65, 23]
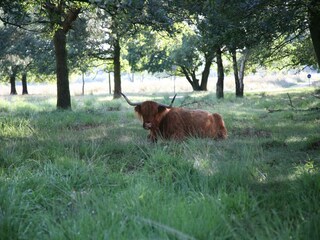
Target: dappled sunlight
[307, 168]
[296, 139]
[204, 164]
[16, 128]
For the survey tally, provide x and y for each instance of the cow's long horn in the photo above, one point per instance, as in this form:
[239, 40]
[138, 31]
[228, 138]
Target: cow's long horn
[129, 102]
[169, 106]
[173, 100]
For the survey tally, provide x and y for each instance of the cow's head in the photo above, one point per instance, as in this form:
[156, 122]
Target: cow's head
[150, 112]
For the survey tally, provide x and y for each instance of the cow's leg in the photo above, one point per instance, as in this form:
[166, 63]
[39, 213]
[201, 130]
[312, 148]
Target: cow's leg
[152, 136]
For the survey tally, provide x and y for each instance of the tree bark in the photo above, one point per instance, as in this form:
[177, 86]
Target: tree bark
[238, 81]
[13, 83]
[83, 83]
[314, 26]
[205, 73]
[63, 91]
[220, 82]
[24, 84]
[243, 62]
[117, 69]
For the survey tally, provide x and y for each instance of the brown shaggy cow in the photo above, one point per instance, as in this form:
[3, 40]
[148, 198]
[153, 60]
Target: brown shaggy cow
[178, 123]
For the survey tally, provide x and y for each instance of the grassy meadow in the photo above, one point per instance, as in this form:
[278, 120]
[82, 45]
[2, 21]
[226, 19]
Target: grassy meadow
[90, 173]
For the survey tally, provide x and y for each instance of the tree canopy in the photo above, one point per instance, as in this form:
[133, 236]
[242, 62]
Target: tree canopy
[178, 36]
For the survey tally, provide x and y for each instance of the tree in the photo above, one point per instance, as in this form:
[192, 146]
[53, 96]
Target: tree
[15, 55]
[190, 56]
[278, 24]
[61, 18]
[239, 70]
[213, 24]
[220, 82]
[13, 75]
[108, 27]
[314, 26]
[159, 51]
[124, 19]
[57, 18]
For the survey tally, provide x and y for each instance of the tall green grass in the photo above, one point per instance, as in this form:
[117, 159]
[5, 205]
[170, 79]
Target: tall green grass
[90, 173]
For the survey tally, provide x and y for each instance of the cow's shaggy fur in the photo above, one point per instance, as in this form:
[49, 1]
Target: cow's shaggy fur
[179, 123]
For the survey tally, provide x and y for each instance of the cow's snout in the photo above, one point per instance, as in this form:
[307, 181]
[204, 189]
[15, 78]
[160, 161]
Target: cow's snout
[147, 125]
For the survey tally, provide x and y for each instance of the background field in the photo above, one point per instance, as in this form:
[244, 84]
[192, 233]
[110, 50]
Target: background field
[98, 83]
[90, 173]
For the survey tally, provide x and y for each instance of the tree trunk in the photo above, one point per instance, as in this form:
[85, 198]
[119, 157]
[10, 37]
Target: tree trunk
[243, 62]
[61, 16]
[109, 78]
[205, 73]
[192, 79]
[220, 82]
[117, 69]
[63, 92]
[24, 84]
[13, 83]
[314, 26]
[83, 83]
[238, 82]
[195, 82]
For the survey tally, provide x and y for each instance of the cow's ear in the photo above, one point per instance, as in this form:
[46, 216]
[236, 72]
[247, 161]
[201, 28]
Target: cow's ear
[161, 108]
[138, 109]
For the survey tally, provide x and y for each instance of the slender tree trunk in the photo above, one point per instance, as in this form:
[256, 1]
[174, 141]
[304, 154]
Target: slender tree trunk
[205, 73]
[220, 82]
[83, 83]
[63, 92]
[314, 26]
[24, 84]
[238, 83]
[117, 70]
[109, 78]
[242, 68]
[243, 62]
[13, 83]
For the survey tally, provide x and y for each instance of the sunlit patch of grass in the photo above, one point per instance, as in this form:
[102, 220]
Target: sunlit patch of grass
[295, 139]
[15, 127]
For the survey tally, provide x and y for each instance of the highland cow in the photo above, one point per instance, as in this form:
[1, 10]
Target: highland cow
[175, 123]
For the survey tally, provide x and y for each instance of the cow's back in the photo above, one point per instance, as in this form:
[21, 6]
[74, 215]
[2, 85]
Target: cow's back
[179, 123]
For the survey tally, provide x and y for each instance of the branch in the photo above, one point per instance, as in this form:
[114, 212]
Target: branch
[72, 15]
[23, 25]
[293, 108]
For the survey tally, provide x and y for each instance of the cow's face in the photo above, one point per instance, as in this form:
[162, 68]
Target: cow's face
[150, 112]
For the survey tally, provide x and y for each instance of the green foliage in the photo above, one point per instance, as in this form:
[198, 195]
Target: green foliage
[149, 50]
[187, 54]
[91, 173]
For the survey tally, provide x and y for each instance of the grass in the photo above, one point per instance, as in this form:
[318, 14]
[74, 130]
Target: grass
[90, 173]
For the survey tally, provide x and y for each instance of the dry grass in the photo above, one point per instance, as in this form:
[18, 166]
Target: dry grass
[150, 84]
